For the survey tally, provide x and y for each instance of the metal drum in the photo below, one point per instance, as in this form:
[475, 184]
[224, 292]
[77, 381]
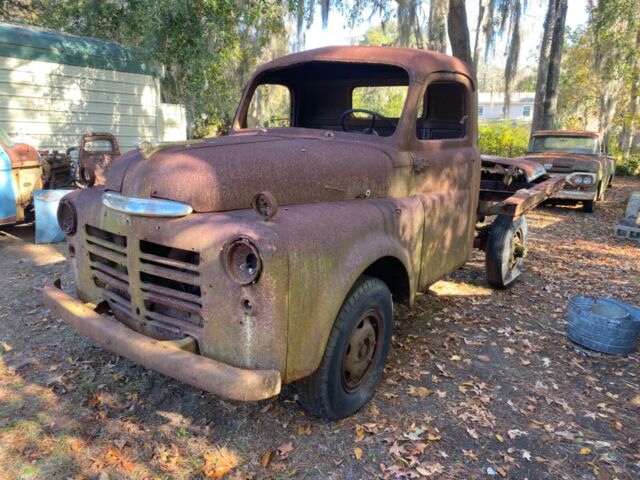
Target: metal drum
[604, 325]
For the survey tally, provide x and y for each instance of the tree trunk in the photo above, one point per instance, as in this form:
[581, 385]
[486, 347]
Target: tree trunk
[513, 55]
[482, 15]
[553, 77]
[608, 103]
[549, 65]
[437, 39]
[543, 66]
[630, 126]
[459, 31]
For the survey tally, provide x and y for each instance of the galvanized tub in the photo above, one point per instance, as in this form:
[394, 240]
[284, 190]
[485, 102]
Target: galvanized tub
[46, 205]
[604, 325]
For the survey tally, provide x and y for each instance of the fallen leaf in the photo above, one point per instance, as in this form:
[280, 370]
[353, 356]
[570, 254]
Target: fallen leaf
[360, 431]
[285, 448]
[421, 392]
[470, 454]
[500, 438]
[483, 358]
[636, 400]
[472, 433]
[526, 454]
[266, 458]
[585, 451]
[304, 429]
[617, 425]
[358, 453]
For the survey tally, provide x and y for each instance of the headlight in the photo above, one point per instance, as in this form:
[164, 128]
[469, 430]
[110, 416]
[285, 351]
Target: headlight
[587, 181]
[67, 217]
[242, 261]
[577, 180]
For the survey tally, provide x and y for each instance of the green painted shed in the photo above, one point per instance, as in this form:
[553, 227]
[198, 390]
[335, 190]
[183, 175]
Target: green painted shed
[55, 87]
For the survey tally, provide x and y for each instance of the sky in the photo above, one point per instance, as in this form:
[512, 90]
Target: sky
[338, 33]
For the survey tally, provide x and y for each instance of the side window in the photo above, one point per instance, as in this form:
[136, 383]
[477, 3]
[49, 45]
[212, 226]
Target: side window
[481, 110]
[270, 107]
[444, 113]
[526, 111]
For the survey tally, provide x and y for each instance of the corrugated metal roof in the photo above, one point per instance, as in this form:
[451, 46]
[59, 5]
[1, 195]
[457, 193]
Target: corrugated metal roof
[33, 43]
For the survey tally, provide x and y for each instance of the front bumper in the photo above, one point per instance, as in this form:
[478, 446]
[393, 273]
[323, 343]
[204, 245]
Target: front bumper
[163, 356]
[576, 195]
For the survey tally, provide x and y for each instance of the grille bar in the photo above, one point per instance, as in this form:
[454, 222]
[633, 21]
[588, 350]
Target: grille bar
[180, 295]
[160, 283]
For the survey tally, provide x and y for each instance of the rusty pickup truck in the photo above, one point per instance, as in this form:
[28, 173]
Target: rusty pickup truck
[580, 158]
[351, 179]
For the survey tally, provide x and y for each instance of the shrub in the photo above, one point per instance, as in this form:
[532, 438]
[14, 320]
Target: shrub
[503, 139]
[628, 166]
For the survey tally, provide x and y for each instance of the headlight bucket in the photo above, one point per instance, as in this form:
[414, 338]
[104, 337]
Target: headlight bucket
[580, 179]
[67, 217]
[242, 261]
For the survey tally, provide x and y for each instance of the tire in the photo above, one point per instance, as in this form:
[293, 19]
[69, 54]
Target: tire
[589, 206]
[506, 249]
[346, 380]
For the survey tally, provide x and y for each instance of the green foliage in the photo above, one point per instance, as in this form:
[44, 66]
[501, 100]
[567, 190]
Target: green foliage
[385, 100]
[208, 47]
[503, 139]
[629, 166]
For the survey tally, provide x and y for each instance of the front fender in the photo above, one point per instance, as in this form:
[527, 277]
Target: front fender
[330, 245]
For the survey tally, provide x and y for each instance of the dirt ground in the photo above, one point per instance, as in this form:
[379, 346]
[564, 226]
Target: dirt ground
[480, 383]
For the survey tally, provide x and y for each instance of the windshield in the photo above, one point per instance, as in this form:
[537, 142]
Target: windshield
[569, 144]
[6, 139]
[341, 96]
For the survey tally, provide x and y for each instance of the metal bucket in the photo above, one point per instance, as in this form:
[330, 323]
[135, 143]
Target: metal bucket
[604, 325]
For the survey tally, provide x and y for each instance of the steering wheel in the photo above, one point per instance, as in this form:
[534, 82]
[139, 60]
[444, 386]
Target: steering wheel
[370, 130]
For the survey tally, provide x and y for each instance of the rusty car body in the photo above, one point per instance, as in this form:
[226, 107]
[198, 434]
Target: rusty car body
[580, 158]
[96, 153]
[271, 255]
[20, 176]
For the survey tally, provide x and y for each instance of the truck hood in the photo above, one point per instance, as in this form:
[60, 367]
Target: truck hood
[566, 162]
[225, 173]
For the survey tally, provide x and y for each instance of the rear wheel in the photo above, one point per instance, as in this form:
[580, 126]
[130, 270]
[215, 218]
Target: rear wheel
[506, 249]
[355, 354]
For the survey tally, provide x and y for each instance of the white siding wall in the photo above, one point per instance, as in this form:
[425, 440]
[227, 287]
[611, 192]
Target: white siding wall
[51, 105]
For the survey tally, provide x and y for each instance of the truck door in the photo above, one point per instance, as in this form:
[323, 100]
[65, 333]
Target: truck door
[446, 164]
[7, 190]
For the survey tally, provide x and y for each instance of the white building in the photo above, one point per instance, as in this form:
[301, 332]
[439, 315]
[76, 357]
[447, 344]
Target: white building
[491, 106]
[56, 87]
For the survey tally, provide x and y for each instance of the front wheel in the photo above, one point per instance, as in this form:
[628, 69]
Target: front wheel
[506, 249]
[355, 354]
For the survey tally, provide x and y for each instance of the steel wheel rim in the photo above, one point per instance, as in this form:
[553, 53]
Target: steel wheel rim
[362, 350]
[516, 243]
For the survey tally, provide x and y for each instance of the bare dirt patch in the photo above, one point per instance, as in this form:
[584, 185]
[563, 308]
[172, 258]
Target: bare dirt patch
[479, 384]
